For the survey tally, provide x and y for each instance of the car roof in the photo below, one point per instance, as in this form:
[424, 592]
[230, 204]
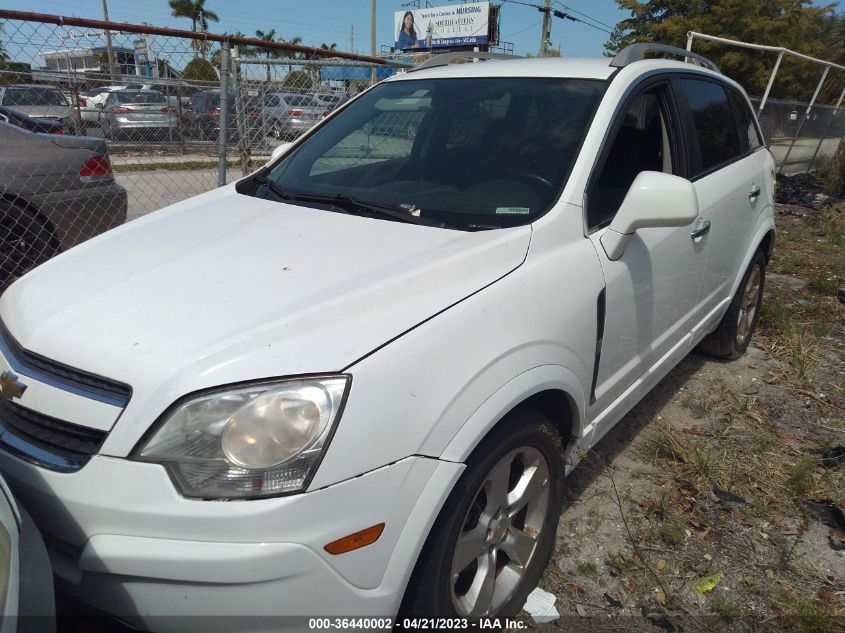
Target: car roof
[560, 67]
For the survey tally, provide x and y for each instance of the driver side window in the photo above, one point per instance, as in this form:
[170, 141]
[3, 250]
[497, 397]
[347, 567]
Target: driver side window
[641, 143]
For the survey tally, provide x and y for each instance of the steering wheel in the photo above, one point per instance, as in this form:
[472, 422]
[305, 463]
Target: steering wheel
[530, 177]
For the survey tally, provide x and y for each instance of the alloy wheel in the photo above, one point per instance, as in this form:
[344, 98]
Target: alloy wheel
[500, 532]
[748, 307]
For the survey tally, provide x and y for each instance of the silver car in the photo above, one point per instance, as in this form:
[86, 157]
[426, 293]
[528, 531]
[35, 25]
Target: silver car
[288, 115]
[144, 113]
[38, 102]
[55, 191]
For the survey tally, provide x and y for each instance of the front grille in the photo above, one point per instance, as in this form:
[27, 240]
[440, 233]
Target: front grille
[97, 387]
[49, 442]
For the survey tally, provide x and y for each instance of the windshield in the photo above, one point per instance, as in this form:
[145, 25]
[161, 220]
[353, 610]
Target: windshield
[34, 97]
[471, 153]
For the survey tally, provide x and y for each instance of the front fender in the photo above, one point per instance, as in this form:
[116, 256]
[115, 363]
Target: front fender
[510, 395]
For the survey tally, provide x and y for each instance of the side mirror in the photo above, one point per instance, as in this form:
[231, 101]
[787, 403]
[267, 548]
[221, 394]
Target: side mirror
[280, 150]
[655, 199]
[100, 105]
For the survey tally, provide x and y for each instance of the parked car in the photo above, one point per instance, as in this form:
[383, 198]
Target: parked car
[55, 192]
[331, 101]
[142, 114]
[38, 102]
[203, 117]
[288, 115]
[41, 126]
[352, 382]
[27, 603]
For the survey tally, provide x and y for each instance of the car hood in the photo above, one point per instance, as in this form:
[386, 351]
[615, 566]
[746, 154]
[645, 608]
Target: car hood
[224, 287]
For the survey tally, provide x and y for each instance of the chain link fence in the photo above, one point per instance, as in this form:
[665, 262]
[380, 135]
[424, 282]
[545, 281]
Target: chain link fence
[799, 138]
[130, 122]
[135, 118]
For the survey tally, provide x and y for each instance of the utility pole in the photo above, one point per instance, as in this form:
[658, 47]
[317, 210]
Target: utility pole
[546, 35]
[109, 50]
[352, 38]
[373, 38]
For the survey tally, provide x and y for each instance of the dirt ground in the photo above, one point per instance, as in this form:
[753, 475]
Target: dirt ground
[693, 514]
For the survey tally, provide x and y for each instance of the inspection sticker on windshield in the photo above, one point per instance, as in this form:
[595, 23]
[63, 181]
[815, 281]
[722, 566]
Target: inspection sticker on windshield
[513, 210]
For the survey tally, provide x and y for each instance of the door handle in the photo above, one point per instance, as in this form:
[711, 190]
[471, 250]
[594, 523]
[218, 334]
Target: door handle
[755, 191]
[701, 230]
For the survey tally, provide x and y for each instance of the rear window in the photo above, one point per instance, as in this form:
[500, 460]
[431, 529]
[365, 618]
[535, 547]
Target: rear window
[139, 97]
[34, 97]
[716, 130]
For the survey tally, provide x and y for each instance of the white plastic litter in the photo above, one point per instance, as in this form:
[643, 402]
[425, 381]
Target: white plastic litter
[541, 606]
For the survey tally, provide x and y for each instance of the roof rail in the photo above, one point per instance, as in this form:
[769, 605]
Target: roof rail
[447, 58]
[637, 52]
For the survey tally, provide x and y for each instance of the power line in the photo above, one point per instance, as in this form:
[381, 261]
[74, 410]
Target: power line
[565, 14]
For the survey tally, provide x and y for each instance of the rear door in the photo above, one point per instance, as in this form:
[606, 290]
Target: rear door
[727, 168]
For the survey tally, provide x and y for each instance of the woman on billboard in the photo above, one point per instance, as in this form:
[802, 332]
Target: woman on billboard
[407, 33]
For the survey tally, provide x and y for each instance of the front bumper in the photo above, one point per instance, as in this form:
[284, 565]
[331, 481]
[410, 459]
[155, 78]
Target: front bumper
[123, 540]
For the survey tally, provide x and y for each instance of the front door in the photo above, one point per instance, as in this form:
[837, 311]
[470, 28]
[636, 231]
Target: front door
[651, 291]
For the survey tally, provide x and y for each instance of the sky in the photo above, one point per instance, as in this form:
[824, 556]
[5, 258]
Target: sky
[331, 21]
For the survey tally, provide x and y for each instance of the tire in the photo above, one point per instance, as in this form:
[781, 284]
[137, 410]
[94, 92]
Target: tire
[523, 450]
[25, 241]
[731, 338]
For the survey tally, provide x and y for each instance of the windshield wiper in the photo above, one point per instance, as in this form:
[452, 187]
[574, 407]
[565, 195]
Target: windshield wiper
[361, 207]
[271, 186]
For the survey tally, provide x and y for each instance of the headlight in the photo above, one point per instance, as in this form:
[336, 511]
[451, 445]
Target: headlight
[255, 441]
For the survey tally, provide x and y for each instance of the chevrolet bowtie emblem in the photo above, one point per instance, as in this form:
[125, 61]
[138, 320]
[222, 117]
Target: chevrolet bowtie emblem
[10, 386]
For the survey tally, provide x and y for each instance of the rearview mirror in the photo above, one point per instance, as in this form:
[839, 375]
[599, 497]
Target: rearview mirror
[655, 199]
[280, 150]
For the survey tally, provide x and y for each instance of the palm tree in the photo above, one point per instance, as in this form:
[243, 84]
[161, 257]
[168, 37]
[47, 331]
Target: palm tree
[194, 10]
[269, 36]
[290, 54]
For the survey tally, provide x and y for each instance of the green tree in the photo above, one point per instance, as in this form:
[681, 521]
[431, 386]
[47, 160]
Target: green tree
[793, 24]
[3, 55]
[298, 79]
[195, 11]
[200, 69]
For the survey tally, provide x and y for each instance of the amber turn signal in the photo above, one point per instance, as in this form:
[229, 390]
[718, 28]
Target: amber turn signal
[355, 541]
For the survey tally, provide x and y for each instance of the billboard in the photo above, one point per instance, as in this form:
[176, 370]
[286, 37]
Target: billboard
[438, 27]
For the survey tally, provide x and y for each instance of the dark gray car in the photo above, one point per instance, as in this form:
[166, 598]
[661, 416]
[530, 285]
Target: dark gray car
[55, 191]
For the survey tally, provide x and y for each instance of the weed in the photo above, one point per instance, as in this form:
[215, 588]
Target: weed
[724, 608]
[672, 532]
[823, 284]
[808, 616]
[587, 568]
[800, 479]
[666, 442]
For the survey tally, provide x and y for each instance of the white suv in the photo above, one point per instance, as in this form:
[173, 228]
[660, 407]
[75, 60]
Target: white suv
[351, 383]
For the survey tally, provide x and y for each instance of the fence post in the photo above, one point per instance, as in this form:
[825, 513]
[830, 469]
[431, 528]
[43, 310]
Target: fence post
[827, 129]
[224, 113]
[769, 85]
[806, 114]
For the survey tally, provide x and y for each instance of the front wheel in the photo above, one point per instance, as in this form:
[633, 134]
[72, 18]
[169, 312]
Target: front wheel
[731, 338]
[496, 532]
